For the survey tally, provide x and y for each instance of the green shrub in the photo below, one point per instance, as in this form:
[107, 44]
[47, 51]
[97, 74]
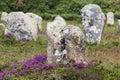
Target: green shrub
[46, 16]
[117, 15]
[71, 17]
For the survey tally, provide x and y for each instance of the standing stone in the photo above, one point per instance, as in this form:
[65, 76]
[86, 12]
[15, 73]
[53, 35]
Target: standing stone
[119, 25]
[21, 26]
[4, 16]
[53, 30]
[65, 43]
[73, 42]
[37, 18]
[93, 21]
[110, 18]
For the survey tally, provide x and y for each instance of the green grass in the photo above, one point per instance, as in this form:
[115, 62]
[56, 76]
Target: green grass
[110, 40]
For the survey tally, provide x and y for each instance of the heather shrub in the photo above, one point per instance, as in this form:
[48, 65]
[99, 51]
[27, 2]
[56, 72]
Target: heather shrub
[37, 68]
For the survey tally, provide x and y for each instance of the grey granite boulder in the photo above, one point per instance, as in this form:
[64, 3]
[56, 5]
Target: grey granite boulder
[21, 26]
[93, 21]
[65, 43]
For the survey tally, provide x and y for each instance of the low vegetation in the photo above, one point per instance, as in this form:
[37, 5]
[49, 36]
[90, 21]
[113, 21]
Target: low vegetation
[103, 58]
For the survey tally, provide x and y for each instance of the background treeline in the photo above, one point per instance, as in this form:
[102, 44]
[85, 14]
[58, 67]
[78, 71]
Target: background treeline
[69, 9]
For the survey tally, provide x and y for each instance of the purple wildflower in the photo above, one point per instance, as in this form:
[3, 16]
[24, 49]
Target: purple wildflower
[14, 66]
[24, 39]
[47, 66]
[40, 59]
[15, 72]
[37, 69]
[51, 65]
[29, 62]
[80, 65]
[7, 72]
[44, 66]
[31, 65]
[25, 69]
[8, 35]
[1, 76]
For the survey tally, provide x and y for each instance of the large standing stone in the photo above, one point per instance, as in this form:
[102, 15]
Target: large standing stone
[53, 30]
[4, 16]
[93, 21]
[110, 18]
[21, 26]
[37, 18]
[65, 43]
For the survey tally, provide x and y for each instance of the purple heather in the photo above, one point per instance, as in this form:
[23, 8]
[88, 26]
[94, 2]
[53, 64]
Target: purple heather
[8, 35]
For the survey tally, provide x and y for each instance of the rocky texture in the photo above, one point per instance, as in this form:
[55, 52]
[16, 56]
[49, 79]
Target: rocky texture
[21, 26]
[110, 18]
[93, 21]
[37, 18]
[65, 43]
[4, 16]
[53, 30]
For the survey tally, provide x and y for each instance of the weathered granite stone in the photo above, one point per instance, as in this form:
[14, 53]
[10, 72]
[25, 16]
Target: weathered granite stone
[93, 21]
[37, 18]
[73, 41]
[60, 21]
[4, 16]
[21, 26]
[53, 30]
[110, 18]
[119, 25]
[65, 43]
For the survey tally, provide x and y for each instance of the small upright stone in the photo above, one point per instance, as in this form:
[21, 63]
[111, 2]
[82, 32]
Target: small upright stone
[65, 43]
[93, 21]
[110, 18]
[4, 16]
[119, 25]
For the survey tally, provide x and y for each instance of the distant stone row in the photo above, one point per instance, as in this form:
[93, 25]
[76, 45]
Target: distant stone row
[65, 42]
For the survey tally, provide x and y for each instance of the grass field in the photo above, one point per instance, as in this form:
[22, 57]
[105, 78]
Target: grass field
[107, 52]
